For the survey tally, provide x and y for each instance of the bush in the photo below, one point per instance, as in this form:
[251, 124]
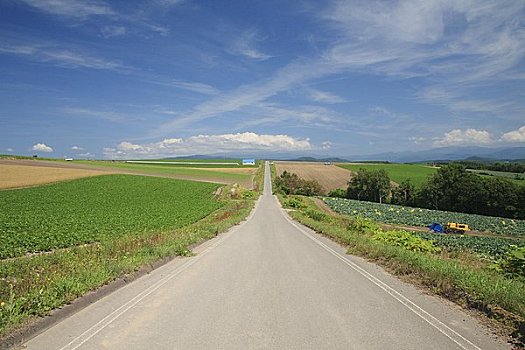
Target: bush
[290, 183]
[513, 262]
[407, 240]
[338, 193]
[295, 203]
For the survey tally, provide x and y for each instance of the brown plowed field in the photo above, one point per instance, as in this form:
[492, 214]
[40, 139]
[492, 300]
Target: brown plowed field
[15, 176]
[329, 176]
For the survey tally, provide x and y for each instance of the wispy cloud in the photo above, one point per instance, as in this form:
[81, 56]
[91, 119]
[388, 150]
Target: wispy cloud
[72, 8]
[111, 116]
[240, 142]
[77, 148]
[62, 57]
[201, 88]
[245, 45]
[113, 31]
[325, 97]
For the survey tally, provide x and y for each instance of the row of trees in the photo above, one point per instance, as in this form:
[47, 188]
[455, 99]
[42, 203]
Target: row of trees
[451, 188]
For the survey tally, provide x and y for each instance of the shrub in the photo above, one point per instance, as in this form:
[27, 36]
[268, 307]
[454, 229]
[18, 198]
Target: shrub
[407, 240]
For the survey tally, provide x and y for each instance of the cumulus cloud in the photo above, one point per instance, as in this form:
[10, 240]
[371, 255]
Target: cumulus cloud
[77, 148]
[10, 149]
[239, 142]
[515, 135]
[458, 137]
[42, 147]
[326, 145]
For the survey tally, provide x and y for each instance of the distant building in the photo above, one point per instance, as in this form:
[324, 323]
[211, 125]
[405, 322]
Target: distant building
[248, 162]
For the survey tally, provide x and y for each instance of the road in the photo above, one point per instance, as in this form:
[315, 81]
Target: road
[269, 283]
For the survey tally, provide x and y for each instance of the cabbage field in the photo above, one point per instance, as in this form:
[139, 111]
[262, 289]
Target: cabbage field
[395, 214]
[92, 209]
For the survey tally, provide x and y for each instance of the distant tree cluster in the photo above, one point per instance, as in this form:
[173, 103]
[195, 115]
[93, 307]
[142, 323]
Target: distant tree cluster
[451, 188]
[290, 183]
[510, 167]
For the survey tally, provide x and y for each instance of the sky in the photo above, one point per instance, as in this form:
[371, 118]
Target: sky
[166, 78]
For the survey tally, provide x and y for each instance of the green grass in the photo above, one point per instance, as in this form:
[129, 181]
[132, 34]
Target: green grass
[397, 172]
[460, 277]
[516, 178]
[96, 208]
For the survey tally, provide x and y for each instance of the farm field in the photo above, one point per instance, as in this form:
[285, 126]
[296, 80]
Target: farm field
[330, 177]
[97, 208]
[397, 172]
[394, 214]
[228, 176]
[195, 163]
[14, 176]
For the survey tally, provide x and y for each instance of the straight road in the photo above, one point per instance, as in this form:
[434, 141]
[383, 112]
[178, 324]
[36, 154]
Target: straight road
[269, 283]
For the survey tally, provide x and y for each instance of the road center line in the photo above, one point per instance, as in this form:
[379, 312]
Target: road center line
[433, 321]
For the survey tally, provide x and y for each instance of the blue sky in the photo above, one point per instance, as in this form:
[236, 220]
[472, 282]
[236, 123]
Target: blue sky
[145, 79]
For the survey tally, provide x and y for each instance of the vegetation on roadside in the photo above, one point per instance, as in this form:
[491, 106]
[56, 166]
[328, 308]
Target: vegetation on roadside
[33, 285]
[462, 276]
[290, 183]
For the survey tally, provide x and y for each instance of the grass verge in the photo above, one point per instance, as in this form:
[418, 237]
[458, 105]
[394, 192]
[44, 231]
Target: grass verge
[459, 277]
[32, 286]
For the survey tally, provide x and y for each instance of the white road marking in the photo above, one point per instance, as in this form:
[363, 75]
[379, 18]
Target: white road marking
[433, 321]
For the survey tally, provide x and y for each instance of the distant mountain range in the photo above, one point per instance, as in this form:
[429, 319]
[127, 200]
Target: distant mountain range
[435, 154]
[447, 153]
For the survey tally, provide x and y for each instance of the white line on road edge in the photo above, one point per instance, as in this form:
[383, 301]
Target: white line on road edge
[106, 321]
[433, 321]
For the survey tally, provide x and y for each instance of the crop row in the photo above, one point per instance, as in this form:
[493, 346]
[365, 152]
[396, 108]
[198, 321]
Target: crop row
[493, 247]
[96, 208]
[395, 214]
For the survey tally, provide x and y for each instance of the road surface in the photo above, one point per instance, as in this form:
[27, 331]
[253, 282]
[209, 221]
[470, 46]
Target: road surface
[269, 283]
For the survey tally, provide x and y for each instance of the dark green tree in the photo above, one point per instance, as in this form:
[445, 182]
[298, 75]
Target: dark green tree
[373, 186]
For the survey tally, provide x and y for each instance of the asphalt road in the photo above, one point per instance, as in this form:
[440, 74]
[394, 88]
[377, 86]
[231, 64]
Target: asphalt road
[269, 283]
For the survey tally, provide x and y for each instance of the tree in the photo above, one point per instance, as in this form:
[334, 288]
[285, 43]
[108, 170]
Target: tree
[404, 194]
[367, 185]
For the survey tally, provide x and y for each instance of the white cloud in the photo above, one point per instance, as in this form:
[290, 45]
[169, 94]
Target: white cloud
[326, 145]
[71, 8]
[86, 155]
[326, 97]
[417, 139]
[10, 149]
[245, 46]
[515, 135]
[42, 147]
[112, 31]
[62, 57]
[199, 144]
[196, 87]
[77, 148]
[458, 137]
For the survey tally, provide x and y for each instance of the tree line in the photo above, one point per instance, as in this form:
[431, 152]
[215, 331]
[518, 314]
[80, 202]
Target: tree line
[510, 167]
[451, 188]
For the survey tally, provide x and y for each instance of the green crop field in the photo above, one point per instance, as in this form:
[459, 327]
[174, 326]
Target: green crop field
[395, 214]
[397, 172]
[91, 209]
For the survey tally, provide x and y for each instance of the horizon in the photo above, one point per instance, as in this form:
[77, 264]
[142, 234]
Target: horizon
[127, 80]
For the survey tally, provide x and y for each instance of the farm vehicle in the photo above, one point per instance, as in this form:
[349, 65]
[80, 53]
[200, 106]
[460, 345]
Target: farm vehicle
[450, 227]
